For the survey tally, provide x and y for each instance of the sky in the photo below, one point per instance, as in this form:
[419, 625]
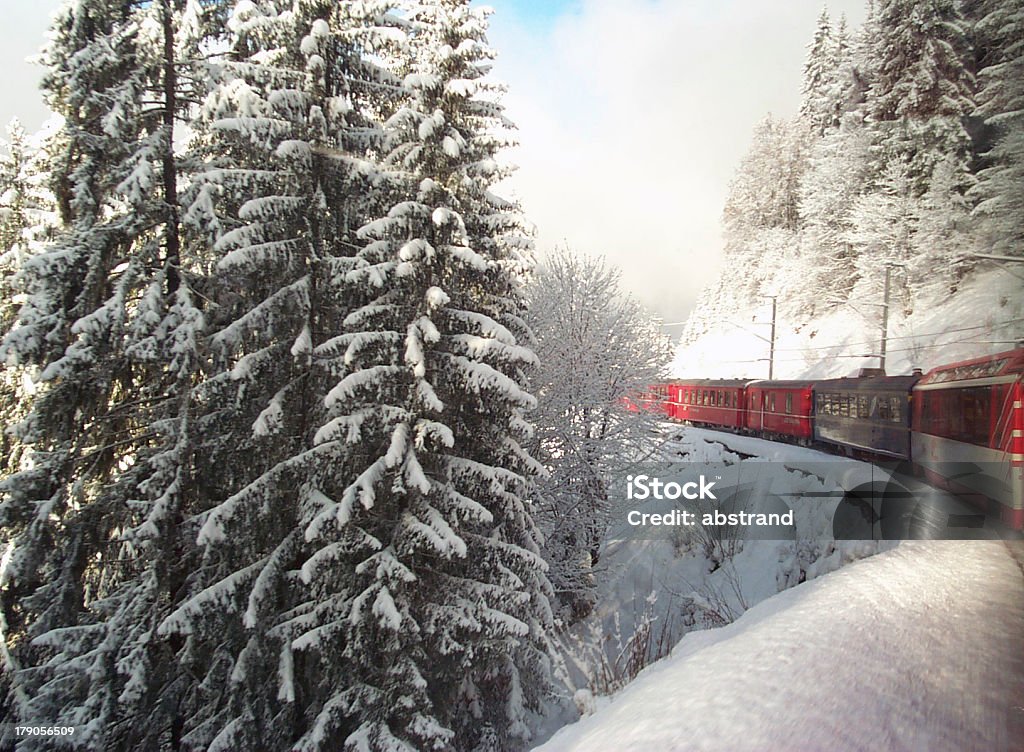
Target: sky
[632, 116]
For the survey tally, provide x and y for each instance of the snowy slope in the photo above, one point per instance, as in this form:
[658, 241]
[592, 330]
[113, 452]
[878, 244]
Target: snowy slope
[918, 648]
[669, 583]
[985, 316]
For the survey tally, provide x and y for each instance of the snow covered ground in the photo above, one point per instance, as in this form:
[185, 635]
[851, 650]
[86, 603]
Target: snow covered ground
[917, 648]
[986, 316]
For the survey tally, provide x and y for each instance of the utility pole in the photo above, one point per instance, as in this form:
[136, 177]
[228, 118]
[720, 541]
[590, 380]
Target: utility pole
[770, 341]
[885, 319]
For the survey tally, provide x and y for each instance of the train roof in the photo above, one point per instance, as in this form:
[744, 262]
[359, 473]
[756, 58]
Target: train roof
[780, 384]
[869, 384]
[726, 383]
[990, 366]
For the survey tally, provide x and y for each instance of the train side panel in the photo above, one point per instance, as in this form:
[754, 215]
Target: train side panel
[865, 414]
[780, 408]
[710, 402]
[968, 432]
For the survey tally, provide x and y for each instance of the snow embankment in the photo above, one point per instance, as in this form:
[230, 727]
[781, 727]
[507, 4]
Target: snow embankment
[918, 648]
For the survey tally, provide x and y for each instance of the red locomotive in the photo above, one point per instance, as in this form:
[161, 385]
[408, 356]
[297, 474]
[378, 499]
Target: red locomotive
[960, 425]
[968, 431]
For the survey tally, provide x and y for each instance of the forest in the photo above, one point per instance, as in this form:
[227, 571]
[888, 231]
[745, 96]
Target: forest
[906, 155]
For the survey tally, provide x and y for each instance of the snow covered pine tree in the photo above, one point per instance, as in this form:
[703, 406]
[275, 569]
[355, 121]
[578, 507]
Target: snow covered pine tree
[375, 583]
[110, 324]
[1000, 98]
[27, 220]
[442, 643]
[287, 131]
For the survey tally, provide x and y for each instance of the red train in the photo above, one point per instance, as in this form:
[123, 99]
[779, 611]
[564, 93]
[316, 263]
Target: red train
[960, 425]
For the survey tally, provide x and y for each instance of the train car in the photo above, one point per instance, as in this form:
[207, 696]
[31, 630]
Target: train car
[865, 414]
[781, 409]
[968, 431]
[708, 402]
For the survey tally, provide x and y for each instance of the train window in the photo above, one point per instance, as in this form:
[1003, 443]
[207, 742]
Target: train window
[844, 406]
[721, 398]
[771, 402]
[958, 414]
[863, 409]
[883, 408]
[789, 404]
[894, 409]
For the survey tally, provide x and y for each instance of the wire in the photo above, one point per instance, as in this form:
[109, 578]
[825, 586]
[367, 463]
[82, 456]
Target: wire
[870, 342]
[888, 351]
[905, 336]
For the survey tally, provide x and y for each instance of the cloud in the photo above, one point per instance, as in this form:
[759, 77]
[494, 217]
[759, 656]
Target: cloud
[22, 35]
[633, 117]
